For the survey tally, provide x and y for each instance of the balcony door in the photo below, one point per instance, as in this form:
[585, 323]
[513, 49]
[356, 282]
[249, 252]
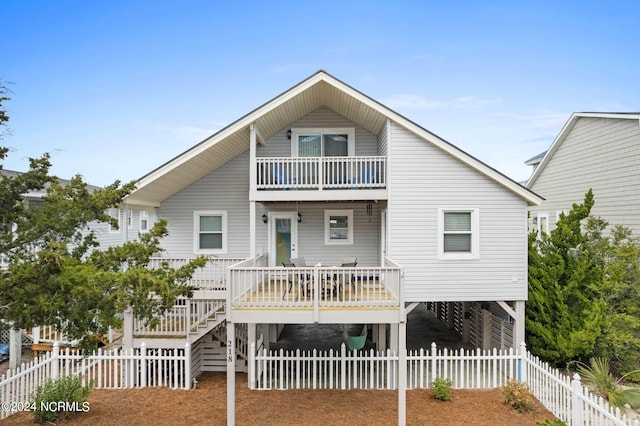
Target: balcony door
[283, 236]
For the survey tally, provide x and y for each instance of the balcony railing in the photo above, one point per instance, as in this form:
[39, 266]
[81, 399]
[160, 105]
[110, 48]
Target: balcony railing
[321, 173]
[318, 286]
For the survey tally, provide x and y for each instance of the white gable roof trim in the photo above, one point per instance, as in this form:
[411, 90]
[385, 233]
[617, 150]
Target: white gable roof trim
[566, 129]
[186, 168]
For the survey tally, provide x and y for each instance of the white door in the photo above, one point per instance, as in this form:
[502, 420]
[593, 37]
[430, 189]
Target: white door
[283, 234]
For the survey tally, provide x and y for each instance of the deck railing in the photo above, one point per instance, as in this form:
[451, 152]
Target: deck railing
[325, 286]
[321, 172]
[181, 319]
[209, 277]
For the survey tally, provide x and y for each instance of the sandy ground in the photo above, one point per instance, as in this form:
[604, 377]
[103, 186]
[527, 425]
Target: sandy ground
[206, 405]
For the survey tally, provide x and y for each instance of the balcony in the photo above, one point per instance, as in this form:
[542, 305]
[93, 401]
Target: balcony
[322, 173]
[314, 294]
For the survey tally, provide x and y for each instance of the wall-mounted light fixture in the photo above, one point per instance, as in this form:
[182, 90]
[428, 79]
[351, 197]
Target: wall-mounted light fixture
[289, 134]
[369, 208]
[265, 218]
[299, 217]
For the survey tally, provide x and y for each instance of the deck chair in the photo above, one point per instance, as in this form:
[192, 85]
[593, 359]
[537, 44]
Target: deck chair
[279, 175]
[341, 278]
[301, 280]
[368, 174]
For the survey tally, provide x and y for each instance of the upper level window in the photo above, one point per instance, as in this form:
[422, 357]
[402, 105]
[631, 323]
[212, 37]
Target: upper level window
[115, 214]
[210, 232]
[339, 142]
[338, 227]
[543, 223]
[458, 233]
[144, 221]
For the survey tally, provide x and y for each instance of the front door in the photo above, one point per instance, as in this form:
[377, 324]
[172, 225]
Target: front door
[284, 237]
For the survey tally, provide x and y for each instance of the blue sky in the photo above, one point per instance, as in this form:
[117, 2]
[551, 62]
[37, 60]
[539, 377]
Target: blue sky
[113, 89]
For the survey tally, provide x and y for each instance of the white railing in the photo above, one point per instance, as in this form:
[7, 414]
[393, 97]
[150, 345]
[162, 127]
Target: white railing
[566, 398]
[319, 286]
[50, 334]
[321, 172]
[209, 277]
[181, 319]
[115, 369]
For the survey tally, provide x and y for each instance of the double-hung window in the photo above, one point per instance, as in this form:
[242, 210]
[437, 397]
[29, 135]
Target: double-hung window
[115, 214]
[210, 232]
[144, 221]
[338, 227]
[458, 233]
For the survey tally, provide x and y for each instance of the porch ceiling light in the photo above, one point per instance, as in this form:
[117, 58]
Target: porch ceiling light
[265, 218]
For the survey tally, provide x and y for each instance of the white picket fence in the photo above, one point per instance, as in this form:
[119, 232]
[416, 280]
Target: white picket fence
[564, 396]
[112, 369]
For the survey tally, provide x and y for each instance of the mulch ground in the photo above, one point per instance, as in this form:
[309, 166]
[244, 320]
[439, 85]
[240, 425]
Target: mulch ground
[207, 405]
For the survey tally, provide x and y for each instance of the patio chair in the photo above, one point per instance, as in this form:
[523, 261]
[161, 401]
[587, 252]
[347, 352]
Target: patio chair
[301, 280]
[368, 174]
[340, 278]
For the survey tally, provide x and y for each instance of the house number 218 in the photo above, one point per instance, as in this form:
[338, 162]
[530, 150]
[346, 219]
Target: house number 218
[229, 352]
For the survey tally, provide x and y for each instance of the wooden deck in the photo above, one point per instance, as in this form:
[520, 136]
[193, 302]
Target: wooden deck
[280, 292]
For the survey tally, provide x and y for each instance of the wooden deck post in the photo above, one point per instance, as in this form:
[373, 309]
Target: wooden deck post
[402, 373]
[231, 374]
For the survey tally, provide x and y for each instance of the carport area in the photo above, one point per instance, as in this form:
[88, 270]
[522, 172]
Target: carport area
[423, 329]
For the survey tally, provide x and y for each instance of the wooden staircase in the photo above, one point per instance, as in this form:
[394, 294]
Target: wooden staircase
[187, 322]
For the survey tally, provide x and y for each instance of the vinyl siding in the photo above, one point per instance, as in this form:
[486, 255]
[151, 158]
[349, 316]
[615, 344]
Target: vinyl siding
[279, 146]
[598, 153]
[226, 189]
[424, 179]
[108, 238]
[311, 246]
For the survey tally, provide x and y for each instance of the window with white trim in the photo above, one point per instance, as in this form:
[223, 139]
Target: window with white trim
[338, 227]
[210, 232]
[144, 221]
[543, 224]
[115, 214]
[319, 142]
[458, 233]
[130, 218]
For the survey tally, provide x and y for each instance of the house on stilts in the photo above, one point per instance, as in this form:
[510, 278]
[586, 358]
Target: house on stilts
[323, 206]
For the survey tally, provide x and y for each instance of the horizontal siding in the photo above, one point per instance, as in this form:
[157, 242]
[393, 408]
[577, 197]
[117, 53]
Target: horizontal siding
[598, 153]
[226, 189]
[311, 246]
[110, 238]
[424, 179]
[279, 146]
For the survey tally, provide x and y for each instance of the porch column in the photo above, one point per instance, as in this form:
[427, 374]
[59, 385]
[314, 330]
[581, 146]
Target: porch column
[486, 329]
[466, 321]
[252, 189]
[402, 373]
[251, 339]
[518, 324]
[231, 373]
[393, 337]
[15, 348]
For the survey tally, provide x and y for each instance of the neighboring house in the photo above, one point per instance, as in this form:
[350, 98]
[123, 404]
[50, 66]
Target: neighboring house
[325, 173]
[593, 150]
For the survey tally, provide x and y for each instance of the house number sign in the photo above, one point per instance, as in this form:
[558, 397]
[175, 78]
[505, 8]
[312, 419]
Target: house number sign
[229, 352]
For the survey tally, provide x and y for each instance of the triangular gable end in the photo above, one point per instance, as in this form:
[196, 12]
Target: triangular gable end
[564, 132]
[320, 89]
